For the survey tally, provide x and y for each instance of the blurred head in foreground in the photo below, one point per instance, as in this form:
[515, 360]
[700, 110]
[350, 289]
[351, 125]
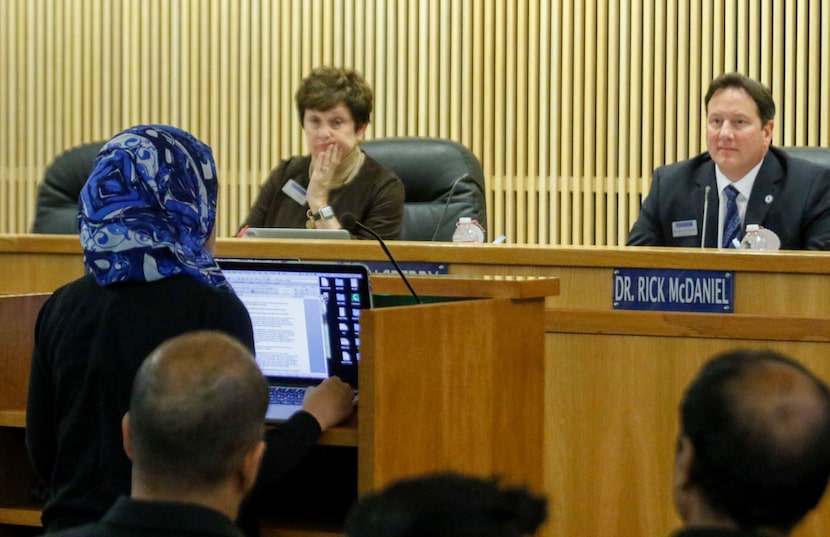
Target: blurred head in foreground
[754, 446]
[447, 505]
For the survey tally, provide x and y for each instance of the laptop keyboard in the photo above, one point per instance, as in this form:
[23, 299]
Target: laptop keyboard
[286, 395]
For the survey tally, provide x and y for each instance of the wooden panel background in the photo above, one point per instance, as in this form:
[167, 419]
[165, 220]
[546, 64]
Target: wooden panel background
[569, 105]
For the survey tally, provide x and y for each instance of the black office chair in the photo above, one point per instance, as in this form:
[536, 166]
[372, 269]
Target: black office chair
[816, 155]
[56, 209]
[443, 181]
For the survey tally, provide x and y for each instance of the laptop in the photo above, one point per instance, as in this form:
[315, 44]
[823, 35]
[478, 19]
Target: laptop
[295, 233]
[306, 320]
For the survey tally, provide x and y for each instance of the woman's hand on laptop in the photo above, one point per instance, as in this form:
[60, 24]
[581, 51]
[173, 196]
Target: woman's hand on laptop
[330, 402]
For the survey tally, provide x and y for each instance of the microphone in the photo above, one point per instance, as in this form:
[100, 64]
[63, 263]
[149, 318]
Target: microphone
[349, 222]
[705, 215]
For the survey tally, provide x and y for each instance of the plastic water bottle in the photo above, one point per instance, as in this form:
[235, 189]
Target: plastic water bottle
[753, 240]
[468, 230]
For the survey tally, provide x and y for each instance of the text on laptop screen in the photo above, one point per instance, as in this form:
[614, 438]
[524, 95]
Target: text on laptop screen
[306, 323]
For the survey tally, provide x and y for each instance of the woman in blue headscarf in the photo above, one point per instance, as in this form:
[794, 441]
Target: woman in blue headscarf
[146, 225]
[148, 208]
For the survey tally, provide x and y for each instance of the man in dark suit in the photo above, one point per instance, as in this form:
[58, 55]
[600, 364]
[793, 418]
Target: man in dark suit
[753, 453]
[688, 202]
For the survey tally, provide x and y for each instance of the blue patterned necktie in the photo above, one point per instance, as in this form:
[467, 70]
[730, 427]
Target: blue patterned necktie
[732, 223]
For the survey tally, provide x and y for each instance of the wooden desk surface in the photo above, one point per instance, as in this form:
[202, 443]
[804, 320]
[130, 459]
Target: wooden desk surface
[793, 262]
[40, 263]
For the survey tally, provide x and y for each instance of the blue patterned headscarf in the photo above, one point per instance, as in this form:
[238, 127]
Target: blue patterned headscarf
[148, 208]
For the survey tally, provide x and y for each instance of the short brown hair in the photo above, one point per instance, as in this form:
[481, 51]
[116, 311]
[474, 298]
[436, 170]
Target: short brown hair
[759, 93]
[326, 87]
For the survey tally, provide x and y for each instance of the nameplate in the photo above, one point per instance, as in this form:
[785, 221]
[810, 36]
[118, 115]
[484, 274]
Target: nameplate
[700, 291]
[407, 267]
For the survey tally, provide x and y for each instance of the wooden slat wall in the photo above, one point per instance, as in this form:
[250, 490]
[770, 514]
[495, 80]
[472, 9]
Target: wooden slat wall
[569, 105]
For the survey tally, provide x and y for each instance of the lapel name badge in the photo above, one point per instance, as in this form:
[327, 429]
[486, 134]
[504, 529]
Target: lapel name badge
[684, 228]
[295, 191]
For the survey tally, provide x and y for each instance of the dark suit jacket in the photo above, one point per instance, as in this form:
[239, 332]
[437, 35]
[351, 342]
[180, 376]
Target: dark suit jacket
[790, 197]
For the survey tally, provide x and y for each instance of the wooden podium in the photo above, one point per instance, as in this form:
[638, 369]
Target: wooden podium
[451, 384]
[454, 385]
[17, 323]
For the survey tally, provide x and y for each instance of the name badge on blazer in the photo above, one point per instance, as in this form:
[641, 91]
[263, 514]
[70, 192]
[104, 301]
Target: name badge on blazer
[295, 191]
[684, 228]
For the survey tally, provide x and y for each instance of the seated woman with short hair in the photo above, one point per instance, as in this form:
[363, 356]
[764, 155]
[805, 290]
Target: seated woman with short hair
[337, 177]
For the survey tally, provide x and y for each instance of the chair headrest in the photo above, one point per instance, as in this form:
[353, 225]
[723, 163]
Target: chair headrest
[816, 155]
[428, 167]
[443, 181]
[56, 208]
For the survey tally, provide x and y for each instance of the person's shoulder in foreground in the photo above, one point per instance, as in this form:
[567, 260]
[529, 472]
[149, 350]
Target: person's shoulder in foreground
[447, 504]
[194, 434]
[753, 453]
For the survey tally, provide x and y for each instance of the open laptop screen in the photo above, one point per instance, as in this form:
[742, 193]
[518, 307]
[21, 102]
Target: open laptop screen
[306, 316]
